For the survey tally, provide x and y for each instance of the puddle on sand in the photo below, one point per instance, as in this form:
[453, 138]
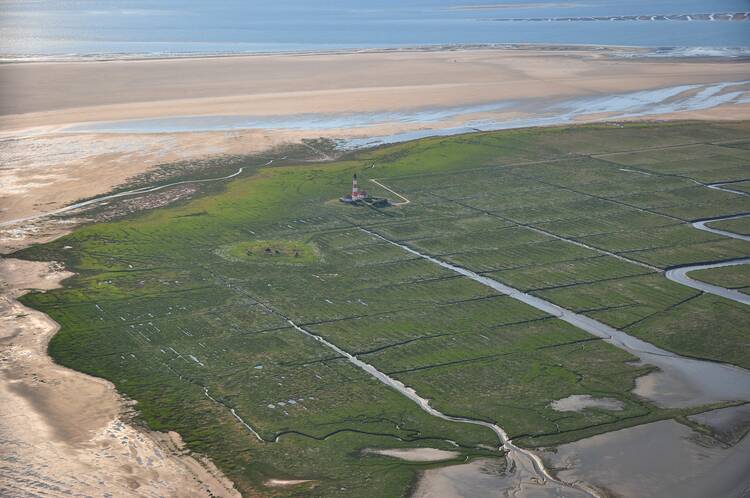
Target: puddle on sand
[656, 460]
[578, 402]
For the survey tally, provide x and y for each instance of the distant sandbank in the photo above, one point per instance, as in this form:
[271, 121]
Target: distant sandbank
[50, 94]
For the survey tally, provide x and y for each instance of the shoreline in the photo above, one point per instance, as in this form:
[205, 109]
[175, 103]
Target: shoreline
[450, 47]
[74, 421]
[52, 169]
[418, 48]
[46, 97]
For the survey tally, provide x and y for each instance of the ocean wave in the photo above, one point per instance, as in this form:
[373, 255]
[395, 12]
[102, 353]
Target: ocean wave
[689, 52]
[710, 17]
[82, 57]
[611, 51]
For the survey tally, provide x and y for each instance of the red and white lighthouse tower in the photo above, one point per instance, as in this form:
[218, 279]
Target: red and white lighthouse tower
[356, 194]
[355, 188]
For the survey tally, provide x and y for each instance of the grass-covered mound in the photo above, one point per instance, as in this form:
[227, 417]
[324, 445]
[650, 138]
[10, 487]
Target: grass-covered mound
[271, 252]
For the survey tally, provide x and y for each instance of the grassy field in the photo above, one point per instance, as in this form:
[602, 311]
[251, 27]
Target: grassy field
[185, 308]
[731, 277]
[738, 225]
[269, 251]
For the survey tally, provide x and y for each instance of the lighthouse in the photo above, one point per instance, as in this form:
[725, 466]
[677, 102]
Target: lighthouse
[355, 189]
[358, 197]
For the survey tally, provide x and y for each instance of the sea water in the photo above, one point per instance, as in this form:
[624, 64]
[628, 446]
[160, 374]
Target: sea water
[443, 121]
[51, 28]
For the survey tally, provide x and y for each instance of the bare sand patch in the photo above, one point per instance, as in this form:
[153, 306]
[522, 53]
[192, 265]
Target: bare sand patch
[415, 454]
[578, 402]
[282, 483]
[19, 235]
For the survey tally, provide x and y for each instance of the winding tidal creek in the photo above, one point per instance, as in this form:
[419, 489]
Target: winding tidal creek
[679, 274]
[528, 466]
[699, 382]
[680, 382]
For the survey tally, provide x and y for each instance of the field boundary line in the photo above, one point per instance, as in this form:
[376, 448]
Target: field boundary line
[405, 200]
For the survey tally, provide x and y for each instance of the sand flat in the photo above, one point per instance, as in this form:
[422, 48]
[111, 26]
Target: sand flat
[659, 459]
[54, 93]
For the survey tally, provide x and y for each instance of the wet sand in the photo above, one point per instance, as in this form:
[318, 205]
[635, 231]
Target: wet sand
[656, 460]
[729, 425]
[63, 432]
[48, 94]
[478, 478]
[486, 478]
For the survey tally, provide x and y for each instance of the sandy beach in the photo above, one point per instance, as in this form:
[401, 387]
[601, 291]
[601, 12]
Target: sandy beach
[47, 164]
